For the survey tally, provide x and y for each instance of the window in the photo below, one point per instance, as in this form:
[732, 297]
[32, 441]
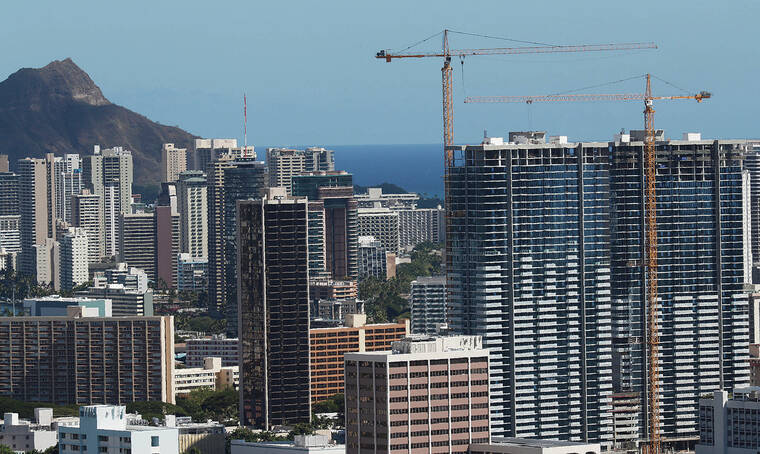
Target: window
[154, 441]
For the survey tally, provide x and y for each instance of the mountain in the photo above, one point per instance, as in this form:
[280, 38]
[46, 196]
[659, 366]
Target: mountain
[59, 109]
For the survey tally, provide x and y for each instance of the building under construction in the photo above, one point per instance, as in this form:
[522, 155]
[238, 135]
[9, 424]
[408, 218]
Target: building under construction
[546, 242]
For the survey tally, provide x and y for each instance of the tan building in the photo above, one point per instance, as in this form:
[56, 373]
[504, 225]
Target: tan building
[427, 395]
[328, 345]
[82, 359]
[33, 208]
[284, 163]
[173, 162]
[212, 376]
[328, 289]
[192, 205]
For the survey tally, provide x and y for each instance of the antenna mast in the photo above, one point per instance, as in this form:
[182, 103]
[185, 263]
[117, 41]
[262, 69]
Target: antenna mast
[245, 121]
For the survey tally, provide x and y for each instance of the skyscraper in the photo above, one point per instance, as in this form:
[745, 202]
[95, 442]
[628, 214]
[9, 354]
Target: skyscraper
[111, 215]
[274, 310]
[137, 242]
[192, 204]
[529, 270]
[336, 192]
[34, 211]
[9, 196]
[117, 165]
[173, 162]
[215, 184]
[74, 258]
[381, 223]
[167, 244]
[68, 182]
[427, 304]
[703, 325]
[243, 179]
[285, 163]
[207, 151]
[86, 213]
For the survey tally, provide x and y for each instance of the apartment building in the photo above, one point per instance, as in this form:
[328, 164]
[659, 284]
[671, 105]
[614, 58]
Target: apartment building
[81, 359]
[285, 163]
[427, 301]
[383, 224]
[328, 345]
[426, 395]
[217, 346]
[211, 375]
[173, 162]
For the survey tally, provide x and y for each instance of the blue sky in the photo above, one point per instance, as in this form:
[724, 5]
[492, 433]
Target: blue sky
[311, 78]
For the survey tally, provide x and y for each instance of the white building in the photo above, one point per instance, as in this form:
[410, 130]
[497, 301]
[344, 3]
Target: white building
[428, 304]
[74, 255]
[309, 444]
[192, 272]
[284, 163]
[192, 205]
[40, 434]
[373, 259]
[730, 426]
[86, 212]
[374, 198]
[212, 375]
[420, 225]
[57, 306]
[217, 346]
[381, 223]
[104, 429]
[46, 262]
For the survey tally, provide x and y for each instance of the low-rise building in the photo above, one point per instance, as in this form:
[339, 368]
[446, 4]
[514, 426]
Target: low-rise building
[105, 429]
[21, 435]
[125, 302]
[207, 437]
[57, 306]
[302, 444]
[217, 346]
[192, 272]
[328, 345]
[533, 446]
[730, 426]
[212, 376]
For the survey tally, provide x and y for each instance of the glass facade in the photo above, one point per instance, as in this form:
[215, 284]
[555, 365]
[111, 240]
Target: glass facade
[529, 249]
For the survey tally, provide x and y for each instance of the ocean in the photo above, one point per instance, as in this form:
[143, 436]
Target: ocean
[416, 168]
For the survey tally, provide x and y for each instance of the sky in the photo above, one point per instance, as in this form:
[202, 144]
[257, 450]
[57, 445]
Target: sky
[310, 75]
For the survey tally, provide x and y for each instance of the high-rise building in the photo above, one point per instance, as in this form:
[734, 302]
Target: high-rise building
[383, 224]
[528, 268]
[46, 263]
[703, 325]
[328, 345]
[111, 215]
[117, 165]
[335, 190]
[167, 244]
[32, 195]
[68, 182]
[426, 395]
[9, 195]
[421, 225]
[274, 310]
[137, 242]
[752, 164]
[51, 197]
[84, 360]
[74, 258]
[245, 179]
[427, 303]
[10, 235]
[192, 204]
[285, 163]
[4, 164]
[173, 162]
[215, 184]
[373, 259]
[207, 151]
[86, 213]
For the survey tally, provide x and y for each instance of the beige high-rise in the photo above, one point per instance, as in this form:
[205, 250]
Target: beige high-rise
[33, 206]
[173, 162]
[86, 212]
[192, 204]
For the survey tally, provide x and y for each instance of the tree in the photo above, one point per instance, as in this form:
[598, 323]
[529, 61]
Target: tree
[6, 450]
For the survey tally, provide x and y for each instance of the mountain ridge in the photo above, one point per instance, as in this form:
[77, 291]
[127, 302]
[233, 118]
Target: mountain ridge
[58, 108]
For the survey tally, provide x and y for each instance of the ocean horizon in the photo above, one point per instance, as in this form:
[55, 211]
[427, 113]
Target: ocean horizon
[414, 167]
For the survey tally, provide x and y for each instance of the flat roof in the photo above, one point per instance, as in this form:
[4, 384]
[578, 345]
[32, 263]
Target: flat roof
[536, 442]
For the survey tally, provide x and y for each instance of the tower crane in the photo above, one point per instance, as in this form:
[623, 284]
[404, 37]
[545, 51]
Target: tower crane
[654, 445]
[446, 72]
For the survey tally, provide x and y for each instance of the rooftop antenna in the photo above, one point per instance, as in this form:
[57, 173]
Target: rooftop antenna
[245, 121]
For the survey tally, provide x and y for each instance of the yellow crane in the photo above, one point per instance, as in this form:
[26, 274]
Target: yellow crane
[446, 72]
[654, 445]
